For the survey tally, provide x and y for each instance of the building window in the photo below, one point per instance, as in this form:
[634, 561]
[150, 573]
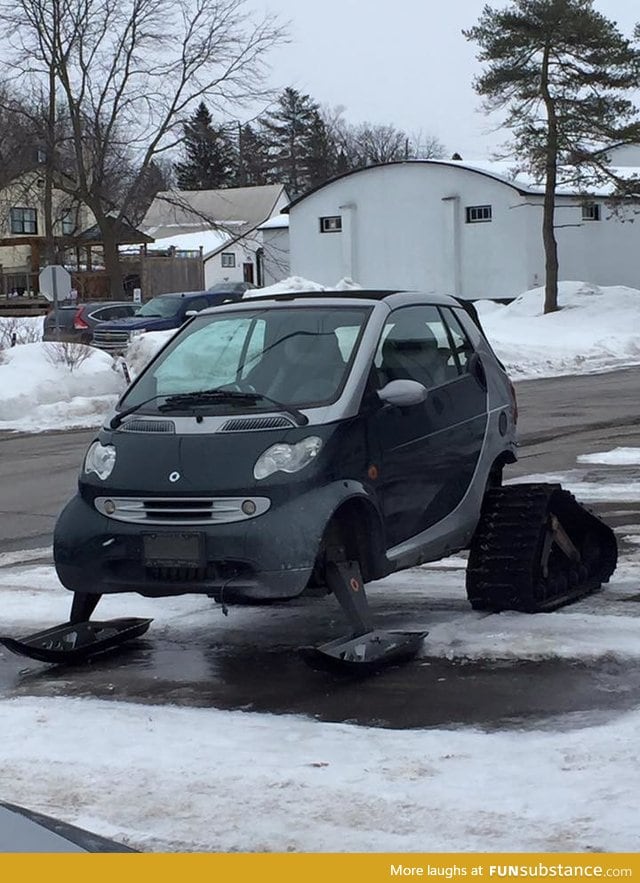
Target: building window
[228, 259]
[68, 224]
[331, 225]
[477, 214]
[23, 220]
[590, 211]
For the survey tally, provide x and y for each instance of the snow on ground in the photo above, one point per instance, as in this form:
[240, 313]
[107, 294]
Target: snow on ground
[616, 457]
[595, 329]
[168, 778]
[39, 392]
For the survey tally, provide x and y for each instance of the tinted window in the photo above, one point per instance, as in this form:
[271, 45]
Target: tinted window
[415, 345]
[163, 305]
[461, 344]
[197, 304]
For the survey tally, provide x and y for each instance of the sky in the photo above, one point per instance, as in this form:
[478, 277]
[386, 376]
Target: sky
[405, 63]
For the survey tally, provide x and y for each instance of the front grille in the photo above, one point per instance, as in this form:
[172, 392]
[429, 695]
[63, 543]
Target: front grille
[180, 510]
[244, 424]
[111, 341]
[147, 426]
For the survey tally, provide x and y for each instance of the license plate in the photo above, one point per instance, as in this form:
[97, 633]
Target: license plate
[177, 549]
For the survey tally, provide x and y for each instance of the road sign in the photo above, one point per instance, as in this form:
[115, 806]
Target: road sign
[55, 283]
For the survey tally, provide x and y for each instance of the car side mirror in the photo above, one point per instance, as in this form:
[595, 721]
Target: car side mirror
[189, 313]
[403, 393]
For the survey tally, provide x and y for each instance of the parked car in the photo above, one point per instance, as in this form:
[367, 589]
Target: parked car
[316, 442]
[160, 314]
[77, 322]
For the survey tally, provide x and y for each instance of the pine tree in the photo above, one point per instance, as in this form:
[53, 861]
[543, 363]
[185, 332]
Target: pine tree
[562, 72]
[210, 156]
[287, 129]
[320, 160]
[253, 159]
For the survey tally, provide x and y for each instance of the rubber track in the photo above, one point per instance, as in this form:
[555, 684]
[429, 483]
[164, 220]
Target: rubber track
[505, 569]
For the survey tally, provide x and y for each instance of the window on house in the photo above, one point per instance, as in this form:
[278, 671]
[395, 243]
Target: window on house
[23, 220]
[68, 224]
[476, 214]
[591, 211]
[331, 224]
[228, 259]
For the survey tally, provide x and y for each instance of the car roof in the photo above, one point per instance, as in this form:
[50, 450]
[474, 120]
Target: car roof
[183, 293]
[395, 297]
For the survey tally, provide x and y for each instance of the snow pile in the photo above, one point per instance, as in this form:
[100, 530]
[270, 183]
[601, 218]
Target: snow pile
[297, 283]
[616, 457]
[594, 329]
[38, 392]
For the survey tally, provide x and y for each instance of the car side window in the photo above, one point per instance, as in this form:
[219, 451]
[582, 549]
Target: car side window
[415, 345]
[462, 348]
[197, 304]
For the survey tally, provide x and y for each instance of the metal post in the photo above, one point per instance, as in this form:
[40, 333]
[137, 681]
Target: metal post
[54, 282]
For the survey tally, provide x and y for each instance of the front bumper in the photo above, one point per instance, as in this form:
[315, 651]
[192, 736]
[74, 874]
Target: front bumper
[265, 558]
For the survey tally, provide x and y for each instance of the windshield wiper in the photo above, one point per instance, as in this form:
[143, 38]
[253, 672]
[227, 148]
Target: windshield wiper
[119, 417]
[213, 396]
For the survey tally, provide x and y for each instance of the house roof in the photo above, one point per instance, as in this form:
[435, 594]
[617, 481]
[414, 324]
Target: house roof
[233, 210]
[499, 170]
[125, 233]
[277, 222]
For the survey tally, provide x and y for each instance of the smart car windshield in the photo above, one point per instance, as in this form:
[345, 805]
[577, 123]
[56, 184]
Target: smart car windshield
[294, 356]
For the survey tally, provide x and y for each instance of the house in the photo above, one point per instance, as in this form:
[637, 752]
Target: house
[222, 224]
[275, 249]
[22, 227]
[473, 229]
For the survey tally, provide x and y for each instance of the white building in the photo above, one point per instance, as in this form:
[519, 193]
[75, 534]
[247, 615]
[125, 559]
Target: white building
[456, 227]
[220, 224]
[275, 249]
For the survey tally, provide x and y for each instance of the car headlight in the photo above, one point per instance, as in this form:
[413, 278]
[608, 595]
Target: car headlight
[100, 459]
[137, 332]
[287, 458]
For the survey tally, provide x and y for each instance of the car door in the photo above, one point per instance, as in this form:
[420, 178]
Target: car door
[427, 452]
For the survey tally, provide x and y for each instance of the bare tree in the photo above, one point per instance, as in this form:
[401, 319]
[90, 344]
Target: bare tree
[128, 73]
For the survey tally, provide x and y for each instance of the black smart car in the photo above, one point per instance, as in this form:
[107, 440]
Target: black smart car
[314, 443]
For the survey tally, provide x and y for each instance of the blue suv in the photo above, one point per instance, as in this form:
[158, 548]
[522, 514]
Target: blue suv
[161, 313]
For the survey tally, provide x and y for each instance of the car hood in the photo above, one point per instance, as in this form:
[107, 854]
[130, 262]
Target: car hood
[136, 323]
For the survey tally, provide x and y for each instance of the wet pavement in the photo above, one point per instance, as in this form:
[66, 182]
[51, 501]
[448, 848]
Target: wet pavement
[425, 693]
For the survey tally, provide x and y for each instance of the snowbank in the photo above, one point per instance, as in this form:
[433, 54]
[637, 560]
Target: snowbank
[298, 283]
[595, 329]
[37, 392]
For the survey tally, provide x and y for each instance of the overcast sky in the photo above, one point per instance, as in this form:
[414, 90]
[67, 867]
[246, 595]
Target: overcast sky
[402, 61]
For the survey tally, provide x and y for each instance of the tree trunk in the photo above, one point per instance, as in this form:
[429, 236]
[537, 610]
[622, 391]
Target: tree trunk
[548, 214]
[50, 256]
[111, 258]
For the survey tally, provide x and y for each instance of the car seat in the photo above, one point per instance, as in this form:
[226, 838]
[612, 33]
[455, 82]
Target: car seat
[411, 352]
[306, 367]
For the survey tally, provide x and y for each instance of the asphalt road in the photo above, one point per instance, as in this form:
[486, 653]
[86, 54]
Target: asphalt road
[559, 418]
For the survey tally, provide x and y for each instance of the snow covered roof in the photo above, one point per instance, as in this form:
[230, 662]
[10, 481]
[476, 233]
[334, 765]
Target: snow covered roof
[235, 210]
[207, 240]
[277, 222]
[500, 170]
